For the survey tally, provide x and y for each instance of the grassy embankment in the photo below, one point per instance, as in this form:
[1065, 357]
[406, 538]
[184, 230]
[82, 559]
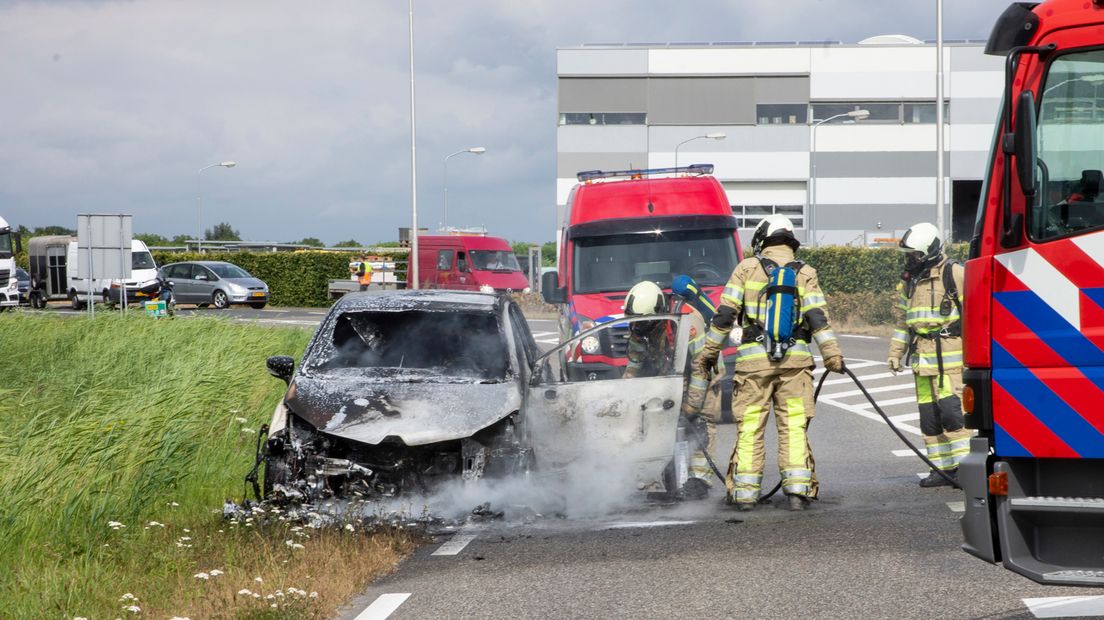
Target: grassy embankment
[121, 440]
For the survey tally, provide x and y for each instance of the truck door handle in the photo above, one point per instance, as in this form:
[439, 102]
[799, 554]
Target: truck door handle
[667, 404]
[550, 394]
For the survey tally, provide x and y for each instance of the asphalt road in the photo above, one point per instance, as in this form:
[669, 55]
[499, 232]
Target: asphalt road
[876, 545]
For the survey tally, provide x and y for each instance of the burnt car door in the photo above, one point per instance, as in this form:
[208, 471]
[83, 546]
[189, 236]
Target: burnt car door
[631, 420]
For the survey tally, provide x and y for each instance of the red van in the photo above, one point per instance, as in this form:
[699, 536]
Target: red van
[632, 225]
[469, 263]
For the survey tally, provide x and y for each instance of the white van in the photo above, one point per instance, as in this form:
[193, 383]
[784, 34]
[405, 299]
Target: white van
[142, 284]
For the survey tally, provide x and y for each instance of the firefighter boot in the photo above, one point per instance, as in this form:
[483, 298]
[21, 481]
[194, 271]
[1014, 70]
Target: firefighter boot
[935, 480]
[695, 488]
[798, 502]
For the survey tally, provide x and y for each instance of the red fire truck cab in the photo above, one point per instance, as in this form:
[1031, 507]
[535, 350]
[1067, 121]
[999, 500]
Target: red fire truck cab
[1034, 305]
[628, 226]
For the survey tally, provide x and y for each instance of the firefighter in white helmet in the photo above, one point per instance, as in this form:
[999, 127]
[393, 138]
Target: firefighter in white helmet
[650, 345]
[928, 336]
[778, 373]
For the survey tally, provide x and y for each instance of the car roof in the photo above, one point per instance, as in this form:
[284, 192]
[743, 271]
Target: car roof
[429, 300]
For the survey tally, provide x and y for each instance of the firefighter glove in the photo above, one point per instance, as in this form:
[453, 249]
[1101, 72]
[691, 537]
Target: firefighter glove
[834, 363]
[894, 364]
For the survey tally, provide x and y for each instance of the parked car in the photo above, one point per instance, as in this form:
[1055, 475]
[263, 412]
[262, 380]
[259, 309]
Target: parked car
[24, 279]
[399, 392]
[215, 283]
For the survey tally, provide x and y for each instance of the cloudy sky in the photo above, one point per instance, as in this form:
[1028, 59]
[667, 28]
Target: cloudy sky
[114, 106]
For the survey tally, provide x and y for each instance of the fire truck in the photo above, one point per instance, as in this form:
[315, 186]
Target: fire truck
[1034, 305]
[627, 226]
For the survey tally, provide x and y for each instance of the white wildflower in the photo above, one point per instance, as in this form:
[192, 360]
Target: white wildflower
[173, 504]
[349, 526]
[273, 605]
[248, 431]
[155, 524]
[132, 609]
[245, 592]
[128, 597]
[255, 595]
[258, 580]
[79, 618]
[215, 572]
[314, 595]
[271, 597]
[180, 618]
[203, 576]
[241, 420]
[185, 538]
[297, 546]
[187, 531]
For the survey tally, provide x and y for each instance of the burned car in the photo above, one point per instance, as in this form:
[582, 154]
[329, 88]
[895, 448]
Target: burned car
[401, 391]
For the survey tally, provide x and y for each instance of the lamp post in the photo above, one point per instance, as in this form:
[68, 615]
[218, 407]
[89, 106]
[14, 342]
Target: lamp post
[711, 136]
[412, 259]
[478, 150]
[940, 196]
[199, 197]
[856, 115]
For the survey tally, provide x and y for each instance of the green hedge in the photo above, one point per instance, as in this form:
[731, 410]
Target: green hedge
[293, 278]
[854, 270]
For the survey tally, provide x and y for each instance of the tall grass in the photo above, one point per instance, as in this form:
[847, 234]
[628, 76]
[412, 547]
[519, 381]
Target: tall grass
[128, 420]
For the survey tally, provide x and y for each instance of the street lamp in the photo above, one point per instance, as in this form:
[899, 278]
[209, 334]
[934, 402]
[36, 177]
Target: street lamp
[412, 258]
[199, 197]
[855, 115]
[711, 136]
[478, 150]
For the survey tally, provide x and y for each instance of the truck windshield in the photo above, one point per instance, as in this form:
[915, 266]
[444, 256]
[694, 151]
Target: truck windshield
[141, 260]
[5, 244]
[617, 262]
[1071, 132]
[489, 260]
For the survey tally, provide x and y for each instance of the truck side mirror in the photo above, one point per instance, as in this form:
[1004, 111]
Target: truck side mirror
[550, 289]
[281, 367]
[1027, 144]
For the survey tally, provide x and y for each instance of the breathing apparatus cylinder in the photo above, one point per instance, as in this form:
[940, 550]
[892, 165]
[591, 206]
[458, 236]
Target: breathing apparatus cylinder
[782, 313]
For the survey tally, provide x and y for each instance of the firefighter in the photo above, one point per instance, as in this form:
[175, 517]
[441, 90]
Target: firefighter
[782, 377]
[649, 342]
[928, 334]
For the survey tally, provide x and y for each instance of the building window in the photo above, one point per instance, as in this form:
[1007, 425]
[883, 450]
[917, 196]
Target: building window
[749, 216]
[782, 113]
[603, 118]
[879, 112]
[924, 113]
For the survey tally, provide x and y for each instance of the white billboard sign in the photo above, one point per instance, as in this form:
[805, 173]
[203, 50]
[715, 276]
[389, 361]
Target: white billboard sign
[103, 246]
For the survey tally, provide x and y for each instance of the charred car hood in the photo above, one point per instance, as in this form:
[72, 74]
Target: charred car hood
[368, 411]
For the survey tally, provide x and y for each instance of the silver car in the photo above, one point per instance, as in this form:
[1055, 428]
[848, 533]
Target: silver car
[215, 283]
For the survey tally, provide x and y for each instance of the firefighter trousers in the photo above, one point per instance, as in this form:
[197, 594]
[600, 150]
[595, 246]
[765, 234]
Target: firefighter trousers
[790, 391]
[945, 436]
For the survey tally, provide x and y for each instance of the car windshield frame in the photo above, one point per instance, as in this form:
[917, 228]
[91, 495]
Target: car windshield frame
[215, 267]
[659, 246]
[480, 260]
[319, 361]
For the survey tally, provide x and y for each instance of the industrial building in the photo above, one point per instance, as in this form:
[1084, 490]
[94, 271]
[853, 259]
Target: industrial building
[842, 181]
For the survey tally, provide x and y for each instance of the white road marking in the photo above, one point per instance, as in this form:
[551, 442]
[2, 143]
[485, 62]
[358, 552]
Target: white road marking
[957, 506]
[543, 334]
[318, 313]
[906, 417]
[896, 401]
[873, 390]
[904, 452]
[1066, 606]
[383, 606]
[865, 413]
[922, 474]
[633, 524]
[455, 545]
[863, 378]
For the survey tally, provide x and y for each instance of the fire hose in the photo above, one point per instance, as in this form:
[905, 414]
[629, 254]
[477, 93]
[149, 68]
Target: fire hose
[703, 441]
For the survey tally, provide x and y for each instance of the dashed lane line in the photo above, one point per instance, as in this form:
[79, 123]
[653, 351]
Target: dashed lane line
[455, 545]
[1066, 606]
[383, 606]
[639, 524]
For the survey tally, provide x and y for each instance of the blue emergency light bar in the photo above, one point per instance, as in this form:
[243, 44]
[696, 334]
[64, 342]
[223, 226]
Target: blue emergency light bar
[590, 175]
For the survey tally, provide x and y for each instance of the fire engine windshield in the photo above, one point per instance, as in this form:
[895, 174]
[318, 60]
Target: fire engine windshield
[490, 260]
[1071, 158]
[617, 262]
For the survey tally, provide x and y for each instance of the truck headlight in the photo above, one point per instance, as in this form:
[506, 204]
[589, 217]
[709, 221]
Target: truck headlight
[591, 345]
[486, 288]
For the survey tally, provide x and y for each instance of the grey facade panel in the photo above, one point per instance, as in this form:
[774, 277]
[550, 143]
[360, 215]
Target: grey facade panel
[891, 164]
[599, 139]
[701, 101]
[973, 58]
[602, 62]
[968, 164]
[757, 139]
[973, 111]
[603, 94]
[781, 90]
[569, 164]
[867, 217]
